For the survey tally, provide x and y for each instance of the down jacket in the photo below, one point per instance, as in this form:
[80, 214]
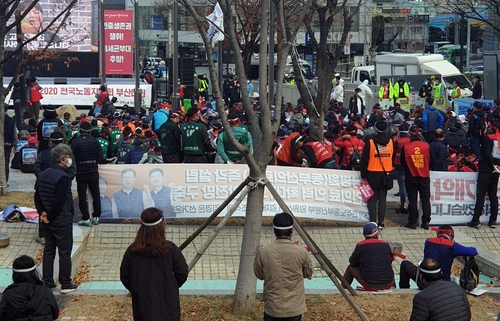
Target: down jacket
[441, 301]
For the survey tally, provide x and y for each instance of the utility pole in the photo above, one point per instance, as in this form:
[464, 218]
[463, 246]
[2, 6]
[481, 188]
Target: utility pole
[137, 89]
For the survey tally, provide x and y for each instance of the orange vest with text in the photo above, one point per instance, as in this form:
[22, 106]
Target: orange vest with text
[378, 164]
[283, 152]
[417, 157]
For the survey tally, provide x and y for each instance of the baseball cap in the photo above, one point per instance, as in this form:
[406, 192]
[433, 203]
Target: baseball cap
[368, 229]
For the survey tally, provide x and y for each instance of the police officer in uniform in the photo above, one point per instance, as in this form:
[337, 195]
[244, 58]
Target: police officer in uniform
[415, 158]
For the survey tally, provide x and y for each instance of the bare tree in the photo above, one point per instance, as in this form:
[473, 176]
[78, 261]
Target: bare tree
[10, 21]
[322, 15]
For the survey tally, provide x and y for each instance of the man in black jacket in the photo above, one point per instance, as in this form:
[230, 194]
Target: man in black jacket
[440, 300]
[439, 152]
[370, 263]
[170, 139]
[356, 106]
[477, 90]
[88, 154]
[54, 203]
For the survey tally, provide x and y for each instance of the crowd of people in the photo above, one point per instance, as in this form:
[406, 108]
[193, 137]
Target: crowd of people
[383, 145]
[380, 144]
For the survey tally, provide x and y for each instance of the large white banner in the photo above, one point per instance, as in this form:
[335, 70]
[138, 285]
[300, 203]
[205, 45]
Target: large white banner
[84, 95]
[453, 196]
[196, 190]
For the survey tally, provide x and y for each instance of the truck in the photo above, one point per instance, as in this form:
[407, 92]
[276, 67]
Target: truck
[414, 68]
[253, 72]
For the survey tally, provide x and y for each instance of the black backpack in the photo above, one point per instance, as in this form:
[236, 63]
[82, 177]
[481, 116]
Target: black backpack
[105, 109]
[355, 159]
[469, 277]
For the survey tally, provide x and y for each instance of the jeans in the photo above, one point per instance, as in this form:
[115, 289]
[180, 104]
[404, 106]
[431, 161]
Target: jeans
[486, 184]
[475, 142]
[267, 317]
[400, 178]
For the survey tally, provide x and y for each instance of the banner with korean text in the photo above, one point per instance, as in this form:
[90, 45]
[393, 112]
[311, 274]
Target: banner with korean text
[453, 196]
[196, 190]
[84, 95]
[118, 42]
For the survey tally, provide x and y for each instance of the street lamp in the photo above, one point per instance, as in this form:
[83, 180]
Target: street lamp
[137, 89]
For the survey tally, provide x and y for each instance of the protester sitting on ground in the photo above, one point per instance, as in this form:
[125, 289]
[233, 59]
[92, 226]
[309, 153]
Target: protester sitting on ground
[442, 248]
[439, 300]
[371, 262]
[27, 298]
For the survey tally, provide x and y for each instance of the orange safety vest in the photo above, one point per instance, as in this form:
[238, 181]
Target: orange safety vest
[283, 152]
[417, 157]
[375, 162]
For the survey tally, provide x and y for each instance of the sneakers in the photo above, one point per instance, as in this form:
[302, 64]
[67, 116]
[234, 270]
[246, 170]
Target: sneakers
[65, 289]
[412, 226]
[381, 226]
[95, 221]
[85, 223]
[492, 224]
[474, 224]
[425, 226]
[39, 239]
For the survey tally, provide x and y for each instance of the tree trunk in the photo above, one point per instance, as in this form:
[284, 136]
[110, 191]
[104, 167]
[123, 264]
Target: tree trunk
[244, 295]
[3, 178]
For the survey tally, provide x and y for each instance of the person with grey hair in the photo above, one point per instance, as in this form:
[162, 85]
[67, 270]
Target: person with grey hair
[54, 203]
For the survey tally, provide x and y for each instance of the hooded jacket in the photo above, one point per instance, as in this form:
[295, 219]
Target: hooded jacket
[432, 119]
[365, 89]
[456, 137]
[375, 179]
[338, 92]
[28, 302]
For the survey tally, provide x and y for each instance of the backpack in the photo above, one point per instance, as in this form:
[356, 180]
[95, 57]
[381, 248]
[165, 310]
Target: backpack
[105, 109]
[122, 152]
[355, 159]
[469, 277]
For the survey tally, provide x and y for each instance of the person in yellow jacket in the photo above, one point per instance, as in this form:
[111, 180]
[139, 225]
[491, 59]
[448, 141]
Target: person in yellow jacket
[401, 89]
[456, 93]
[436, 88]
[386, 90]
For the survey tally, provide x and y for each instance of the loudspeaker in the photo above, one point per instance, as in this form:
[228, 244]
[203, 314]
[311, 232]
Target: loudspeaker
[95, 81]
[60, 81]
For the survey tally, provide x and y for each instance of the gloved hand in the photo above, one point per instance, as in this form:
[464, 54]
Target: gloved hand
[305, 163]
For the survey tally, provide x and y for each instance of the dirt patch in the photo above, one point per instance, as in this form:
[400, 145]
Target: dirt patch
[385, 307]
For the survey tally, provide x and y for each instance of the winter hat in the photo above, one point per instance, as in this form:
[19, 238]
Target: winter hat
[381, 126]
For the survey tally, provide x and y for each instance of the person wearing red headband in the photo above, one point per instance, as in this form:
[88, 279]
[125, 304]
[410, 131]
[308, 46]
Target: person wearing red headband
[443, 249]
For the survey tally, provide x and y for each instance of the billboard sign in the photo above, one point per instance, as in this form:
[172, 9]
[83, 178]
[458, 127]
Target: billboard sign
[118, 34]
[74, 36]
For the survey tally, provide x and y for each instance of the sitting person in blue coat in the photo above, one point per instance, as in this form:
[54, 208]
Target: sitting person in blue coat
[441, 248]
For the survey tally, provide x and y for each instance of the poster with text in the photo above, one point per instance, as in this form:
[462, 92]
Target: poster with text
[118, 42]
[197, 190]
